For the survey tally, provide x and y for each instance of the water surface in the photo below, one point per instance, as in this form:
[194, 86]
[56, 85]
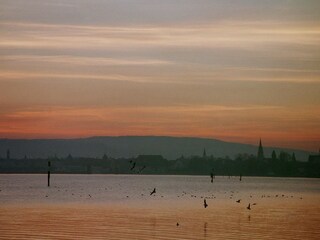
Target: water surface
[120, 207]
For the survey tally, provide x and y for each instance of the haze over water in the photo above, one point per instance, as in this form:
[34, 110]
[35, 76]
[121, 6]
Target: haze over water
[120, 207]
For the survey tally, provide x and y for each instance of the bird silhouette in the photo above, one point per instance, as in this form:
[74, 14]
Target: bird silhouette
[133, 166]
[249, 208]
[154, 191]
[238, 201]
[205, 203]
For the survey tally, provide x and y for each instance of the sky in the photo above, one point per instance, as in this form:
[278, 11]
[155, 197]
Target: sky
[234, 70]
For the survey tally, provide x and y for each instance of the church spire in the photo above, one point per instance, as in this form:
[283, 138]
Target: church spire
[204, 155]
[260, 151]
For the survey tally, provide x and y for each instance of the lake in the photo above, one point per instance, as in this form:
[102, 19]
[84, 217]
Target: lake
[120, 207]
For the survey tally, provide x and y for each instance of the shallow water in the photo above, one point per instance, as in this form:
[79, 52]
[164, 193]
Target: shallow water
[120, 207]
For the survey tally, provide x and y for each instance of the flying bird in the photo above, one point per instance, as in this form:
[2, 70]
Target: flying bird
[205, 203]
[154, 191]
[133, 166]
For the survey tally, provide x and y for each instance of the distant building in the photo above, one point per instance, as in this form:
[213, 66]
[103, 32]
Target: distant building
[314, 158]
[204, 155]
[150, 158]
[154, 163]
[260, 151]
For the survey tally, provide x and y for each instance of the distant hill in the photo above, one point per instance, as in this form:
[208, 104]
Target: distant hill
[131, 146]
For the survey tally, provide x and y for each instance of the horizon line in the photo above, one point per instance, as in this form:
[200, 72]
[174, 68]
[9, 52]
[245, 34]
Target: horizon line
[161, 136]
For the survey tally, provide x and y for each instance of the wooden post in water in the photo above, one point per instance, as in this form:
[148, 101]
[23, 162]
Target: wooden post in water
[49, 164]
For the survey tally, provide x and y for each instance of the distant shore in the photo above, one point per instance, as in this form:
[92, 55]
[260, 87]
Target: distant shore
[246, 165]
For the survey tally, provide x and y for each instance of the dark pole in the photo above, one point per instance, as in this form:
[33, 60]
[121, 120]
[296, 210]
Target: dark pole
[49, 164]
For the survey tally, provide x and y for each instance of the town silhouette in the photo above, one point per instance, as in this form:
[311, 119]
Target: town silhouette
[284, 164]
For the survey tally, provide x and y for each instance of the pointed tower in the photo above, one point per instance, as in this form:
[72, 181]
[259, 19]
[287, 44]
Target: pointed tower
[204, 153]
[260, 151]
[274, 155]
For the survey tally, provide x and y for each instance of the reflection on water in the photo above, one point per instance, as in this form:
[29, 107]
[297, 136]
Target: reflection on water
[205, 230]
[285, 208]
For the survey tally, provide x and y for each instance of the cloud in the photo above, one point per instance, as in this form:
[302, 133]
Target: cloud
[78, 60]
[223, 50]
[243, 35]
[33, 76]
[139, 12]
[185, 67]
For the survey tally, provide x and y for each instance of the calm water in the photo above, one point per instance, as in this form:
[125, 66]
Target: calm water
[120, 207]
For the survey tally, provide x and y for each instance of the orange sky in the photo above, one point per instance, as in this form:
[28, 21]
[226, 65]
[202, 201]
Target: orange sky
[235, 72]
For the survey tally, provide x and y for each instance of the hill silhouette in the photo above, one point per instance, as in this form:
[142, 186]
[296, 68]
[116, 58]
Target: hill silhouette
[131, 146]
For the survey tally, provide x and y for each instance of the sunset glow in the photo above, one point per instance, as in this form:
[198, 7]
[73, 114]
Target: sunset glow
[204, 69]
